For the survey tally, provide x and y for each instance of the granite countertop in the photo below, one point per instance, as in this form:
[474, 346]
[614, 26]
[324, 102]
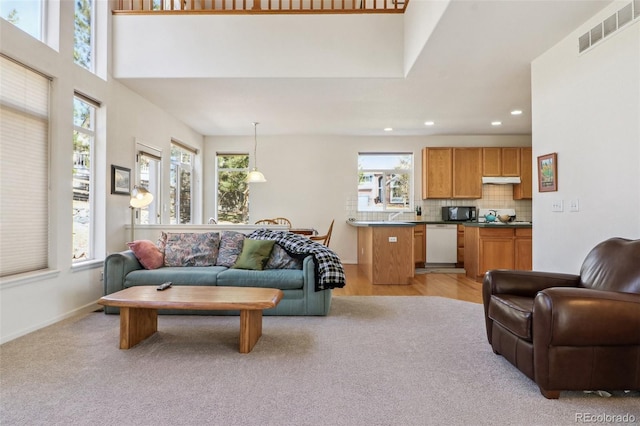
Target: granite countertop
[365, 223]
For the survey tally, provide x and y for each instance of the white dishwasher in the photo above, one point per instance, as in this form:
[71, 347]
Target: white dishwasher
[442, 244]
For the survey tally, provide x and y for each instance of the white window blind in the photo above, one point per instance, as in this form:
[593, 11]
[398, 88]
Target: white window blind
[24, 169]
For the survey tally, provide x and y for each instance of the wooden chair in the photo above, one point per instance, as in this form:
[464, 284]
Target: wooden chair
[323, 239]
[266, 222]
[282, 221]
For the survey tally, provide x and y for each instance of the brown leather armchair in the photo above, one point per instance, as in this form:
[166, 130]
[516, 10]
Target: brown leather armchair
[571, 332]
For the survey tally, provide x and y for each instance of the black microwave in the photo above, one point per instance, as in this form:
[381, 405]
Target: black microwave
[458, 213]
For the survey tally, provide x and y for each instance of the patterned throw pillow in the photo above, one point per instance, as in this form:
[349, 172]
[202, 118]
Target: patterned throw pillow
[191, 249]
[280, 259]
[230, 248]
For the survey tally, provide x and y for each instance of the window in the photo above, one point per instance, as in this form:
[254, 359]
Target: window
[26, 15]
[385, 182]
[233, 191]
[84, 118]
[83, 34]
[24, 169]
[181, 183]
[149, 177]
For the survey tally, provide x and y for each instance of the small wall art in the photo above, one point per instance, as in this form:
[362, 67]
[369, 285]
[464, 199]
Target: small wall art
[548, 172]
[120, 180]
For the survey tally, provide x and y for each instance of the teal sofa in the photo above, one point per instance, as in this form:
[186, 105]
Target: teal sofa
[123, 270]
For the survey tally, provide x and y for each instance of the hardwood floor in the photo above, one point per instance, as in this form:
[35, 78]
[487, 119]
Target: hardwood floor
[454, 286]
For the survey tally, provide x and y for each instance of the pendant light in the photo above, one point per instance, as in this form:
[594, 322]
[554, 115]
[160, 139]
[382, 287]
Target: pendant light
[254, 175]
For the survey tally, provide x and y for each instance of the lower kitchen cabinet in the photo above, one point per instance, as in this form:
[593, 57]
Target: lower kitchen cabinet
[419, 246]
[496, 248]
[460, 262]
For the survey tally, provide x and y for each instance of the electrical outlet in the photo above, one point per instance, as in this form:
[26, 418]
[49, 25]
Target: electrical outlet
[574, 205]
[393, 239]
[557, 206]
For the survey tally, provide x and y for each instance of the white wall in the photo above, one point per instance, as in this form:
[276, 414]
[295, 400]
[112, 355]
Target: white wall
[36, 300]
[311, 179]
[365, 45]
[586, 107]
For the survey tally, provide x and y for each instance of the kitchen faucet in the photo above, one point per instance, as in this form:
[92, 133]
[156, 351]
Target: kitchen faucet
[394, 215]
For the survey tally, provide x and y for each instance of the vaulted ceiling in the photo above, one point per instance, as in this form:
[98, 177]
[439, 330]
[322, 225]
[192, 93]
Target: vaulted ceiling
[473, 70]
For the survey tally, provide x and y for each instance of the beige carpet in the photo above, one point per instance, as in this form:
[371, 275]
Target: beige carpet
[372, 361]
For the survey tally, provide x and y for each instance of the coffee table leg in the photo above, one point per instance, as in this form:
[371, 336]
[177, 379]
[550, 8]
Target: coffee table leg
[136, 324]
[250, 329]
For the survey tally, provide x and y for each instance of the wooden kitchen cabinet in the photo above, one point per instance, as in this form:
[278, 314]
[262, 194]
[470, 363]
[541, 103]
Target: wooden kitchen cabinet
[501, 161]
[467, 173]
[385, 254]
[437, 179]
[460, 261]
[524, 190]
[419, 246]
[496, 248]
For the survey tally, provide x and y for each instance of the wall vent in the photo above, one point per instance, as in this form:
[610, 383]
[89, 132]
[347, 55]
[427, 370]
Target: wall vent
[609, 26]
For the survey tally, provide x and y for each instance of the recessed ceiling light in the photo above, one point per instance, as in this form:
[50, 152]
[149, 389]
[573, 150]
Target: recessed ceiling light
[388, 129]
[496, 123]
[429, 123]
[516, 112]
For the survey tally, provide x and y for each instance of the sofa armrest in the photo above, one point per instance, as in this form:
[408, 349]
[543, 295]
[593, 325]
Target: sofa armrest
[116, 268]
[585, 317]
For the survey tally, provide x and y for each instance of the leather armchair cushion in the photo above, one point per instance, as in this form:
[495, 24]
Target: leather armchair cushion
[515, 313]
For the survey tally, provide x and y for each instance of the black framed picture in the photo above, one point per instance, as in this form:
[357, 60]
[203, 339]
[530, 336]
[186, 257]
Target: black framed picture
[120, 180]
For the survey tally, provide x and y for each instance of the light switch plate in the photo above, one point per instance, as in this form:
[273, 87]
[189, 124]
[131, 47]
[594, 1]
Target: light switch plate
[574, 205]
[557, 206]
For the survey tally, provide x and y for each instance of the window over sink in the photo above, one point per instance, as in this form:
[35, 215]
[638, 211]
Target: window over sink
[385, 182]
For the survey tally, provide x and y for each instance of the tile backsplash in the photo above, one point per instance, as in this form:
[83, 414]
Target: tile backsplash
[493, 196]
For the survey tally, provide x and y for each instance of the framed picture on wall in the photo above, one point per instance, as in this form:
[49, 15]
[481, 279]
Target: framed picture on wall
[120, 180]
[548, 172]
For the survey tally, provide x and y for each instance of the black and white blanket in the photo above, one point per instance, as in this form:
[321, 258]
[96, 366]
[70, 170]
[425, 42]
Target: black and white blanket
[329, 272]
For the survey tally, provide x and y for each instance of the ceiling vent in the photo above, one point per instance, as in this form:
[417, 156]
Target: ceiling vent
[609, 26]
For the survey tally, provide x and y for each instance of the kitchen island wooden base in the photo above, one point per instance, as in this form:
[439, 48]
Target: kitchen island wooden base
[385, 253]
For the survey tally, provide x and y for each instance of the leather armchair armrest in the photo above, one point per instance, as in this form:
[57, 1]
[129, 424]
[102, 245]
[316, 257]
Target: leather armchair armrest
[585, 317]
[524, 283]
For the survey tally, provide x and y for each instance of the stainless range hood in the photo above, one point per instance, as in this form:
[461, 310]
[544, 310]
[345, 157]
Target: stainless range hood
[500, 180]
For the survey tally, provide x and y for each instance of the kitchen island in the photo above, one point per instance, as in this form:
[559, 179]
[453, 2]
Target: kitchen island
[385, 251]
[496, 246]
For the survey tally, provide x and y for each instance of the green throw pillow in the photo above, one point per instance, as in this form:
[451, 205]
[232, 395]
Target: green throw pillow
[255, 254]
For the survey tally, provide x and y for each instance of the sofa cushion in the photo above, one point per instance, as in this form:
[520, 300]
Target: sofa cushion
[283, 279]
[255, 254]
[193, 275]
[280, 259]
[191, 249]
[147, 253]
[230, 248]
[515, 313]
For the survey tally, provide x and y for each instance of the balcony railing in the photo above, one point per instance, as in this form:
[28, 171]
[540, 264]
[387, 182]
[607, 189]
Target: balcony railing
[258, 6]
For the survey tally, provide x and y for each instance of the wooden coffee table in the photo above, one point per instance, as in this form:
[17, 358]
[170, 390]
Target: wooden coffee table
[139, 308]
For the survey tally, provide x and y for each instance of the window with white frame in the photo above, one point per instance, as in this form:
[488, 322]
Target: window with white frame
[148, 176]
[232, 197]
[84, 121]
[385, 182]
[83, 34]
[26, 15]
[181, 183]
[24, 169]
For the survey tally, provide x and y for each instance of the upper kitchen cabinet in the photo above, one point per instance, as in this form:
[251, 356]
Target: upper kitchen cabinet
[437, 178]
[452, 173]
[524, 190]
[467, 173]
[501, 162]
